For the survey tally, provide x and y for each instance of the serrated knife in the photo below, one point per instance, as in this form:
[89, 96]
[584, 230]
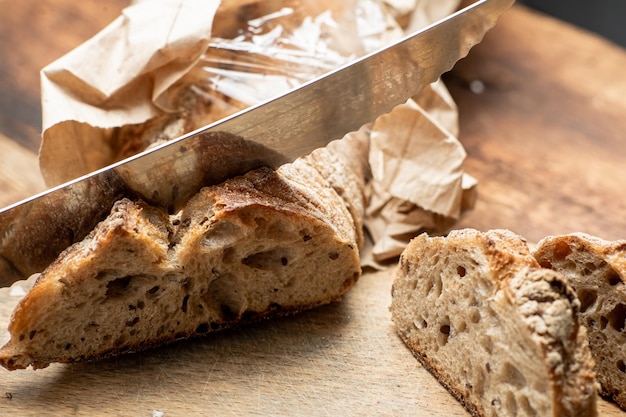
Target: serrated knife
[34, 231]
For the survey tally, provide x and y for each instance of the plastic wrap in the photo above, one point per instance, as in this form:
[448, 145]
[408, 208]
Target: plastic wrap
[158, 72]
[246, 52]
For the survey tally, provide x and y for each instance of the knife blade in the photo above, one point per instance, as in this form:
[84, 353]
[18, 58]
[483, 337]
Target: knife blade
[34, 231]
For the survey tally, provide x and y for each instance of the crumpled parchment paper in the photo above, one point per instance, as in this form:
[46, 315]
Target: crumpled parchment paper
[147, 76]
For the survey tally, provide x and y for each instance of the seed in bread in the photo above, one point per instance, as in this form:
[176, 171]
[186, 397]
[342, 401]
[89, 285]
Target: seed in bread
[596, 269]
[497, 330]
[264, 244]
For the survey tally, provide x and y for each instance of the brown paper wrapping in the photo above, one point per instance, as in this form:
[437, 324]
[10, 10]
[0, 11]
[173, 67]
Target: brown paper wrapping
[418, 183]
[113, 80]
[134, 79]
[155, 68]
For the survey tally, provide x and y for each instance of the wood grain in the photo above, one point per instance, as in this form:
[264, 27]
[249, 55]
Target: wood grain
[33, 33]
[19, 176]
[546, 136]
[341, 360]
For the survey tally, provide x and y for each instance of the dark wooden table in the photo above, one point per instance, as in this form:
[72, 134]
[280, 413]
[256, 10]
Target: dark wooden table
[544, 133]
[546, 139]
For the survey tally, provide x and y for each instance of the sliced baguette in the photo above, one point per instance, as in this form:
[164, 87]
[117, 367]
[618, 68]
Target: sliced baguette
[596, 269]
[264, 244]
[499, 332]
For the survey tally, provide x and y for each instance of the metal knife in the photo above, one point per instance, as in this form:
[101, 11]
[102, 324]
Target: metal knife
[34, 231]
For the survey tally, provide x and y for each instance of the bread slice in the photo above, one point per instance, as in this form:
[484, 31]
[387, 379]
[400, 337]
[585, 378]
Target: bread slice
[264, 244]
[499, 332]
[596, 269]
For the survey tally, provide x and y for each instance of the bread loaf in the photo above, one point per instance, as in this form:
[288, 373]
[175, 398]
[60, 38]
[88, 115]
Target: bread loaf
[264, 244]
[497, 330]
[596, 269]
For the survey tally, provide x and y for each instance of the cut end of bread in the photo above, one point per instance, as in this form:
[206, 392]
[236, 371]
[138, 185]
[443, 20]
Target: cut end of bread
[596, 269]
[253, 247]
[499, 332]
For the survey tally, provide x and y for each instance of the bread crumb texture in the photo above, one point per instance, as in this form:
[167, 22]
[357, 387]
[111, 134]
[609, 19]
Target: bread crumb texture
[596, 269]
[497, 330]
[264, 244]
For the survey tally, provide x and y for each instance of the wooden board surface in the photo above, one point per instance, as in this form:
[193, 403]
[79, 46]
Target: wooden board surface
[340, 360]
[19, 175]
[33, 33]
[544, 138]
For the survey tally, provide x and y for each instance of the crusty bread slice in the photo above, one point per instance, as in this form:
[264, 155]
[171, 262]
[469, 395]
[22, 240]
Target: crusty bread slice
[344, 165]
[263, 244]
[499, 332]
[596, 269]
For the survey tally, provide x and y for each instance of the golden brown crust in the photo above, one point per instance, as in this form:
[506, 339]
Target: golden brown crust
[499, 332]
[256, 246]
[34, 236]
[596, 269]
[344, 164]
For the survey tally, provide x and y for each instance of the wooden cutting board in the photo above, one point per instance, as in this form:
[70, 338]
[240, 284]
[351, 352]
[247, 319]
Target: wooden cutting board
[343, 359]
[542, 120]
[340, 360]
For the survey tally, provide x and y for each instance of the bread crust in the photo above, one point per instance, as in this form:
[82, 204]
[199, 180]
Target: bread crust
[265, 244]
[596, 269]
[496, 330]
